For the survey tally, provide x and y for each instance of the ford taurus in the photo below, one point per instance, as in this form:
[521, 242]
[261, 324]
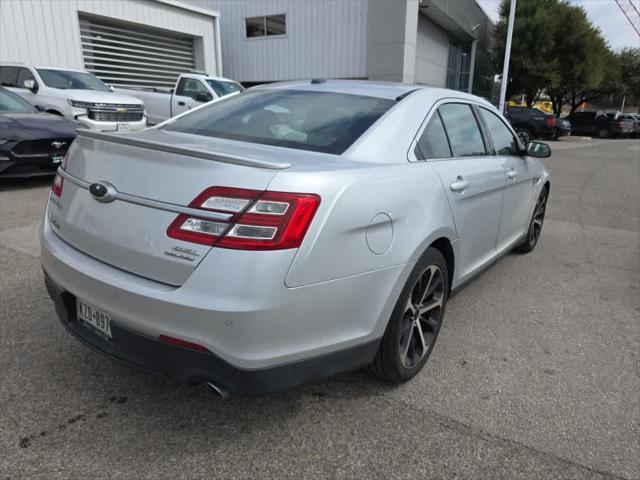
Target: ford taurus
[288, 232]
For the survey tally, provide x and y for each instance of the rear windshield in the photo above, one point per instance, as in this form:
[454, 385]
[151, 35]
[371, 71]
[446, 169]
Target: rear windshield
[319, 121]
[10, 102]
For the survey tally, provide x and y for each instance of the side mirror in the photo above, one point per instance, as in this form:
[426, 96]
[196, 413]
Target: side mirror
[39, 108]
[203, 97]
[538, 150]
[31, 85]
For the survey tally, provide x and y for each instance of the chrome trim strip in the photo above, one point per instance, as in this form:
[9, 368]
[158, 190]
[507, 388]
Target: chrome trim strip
[146, 202]
[192, 152]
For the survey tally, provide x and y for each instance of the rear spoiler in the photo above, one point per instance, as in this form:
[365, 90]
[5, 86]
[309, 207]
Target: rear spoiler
[191, 152]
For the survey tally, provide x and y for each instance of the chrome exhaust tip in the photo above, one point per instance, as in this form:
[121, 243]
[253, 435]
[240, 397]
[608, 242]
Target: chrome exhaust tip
[219, 391]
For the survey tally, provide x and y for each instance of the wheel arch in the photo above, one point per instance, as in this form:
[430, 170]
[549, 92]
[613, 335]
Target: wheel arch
[445, 247]
[53, 111]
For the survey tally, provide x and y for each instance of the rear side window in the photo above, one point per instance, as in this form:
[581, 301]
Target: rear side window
[462, 129]
[325, 122]
[8, 76]
[433, 143]
[190, 87]
[504, 142]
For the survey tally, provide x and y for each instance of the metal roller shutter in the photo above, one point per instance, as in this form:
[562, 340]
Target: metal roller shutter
[127, 55]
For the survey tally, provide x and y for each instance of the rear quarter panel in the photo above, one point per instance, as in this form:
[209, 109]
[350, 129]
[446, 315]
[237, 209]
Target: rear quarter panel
[397, 209]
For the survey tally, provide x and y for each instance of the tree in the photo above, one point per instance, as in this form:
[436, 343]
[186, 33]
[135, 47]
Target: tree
[629, 59]
[529, 68]
[557, 50]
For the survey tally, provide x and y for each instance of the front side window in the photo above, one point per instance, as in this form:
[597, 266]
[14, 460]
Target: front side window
[462, 129]
[325, 122]
[64, 80]
[504, 142]
[433, 143]
[223, 88]
[266, 26]
[24, 74]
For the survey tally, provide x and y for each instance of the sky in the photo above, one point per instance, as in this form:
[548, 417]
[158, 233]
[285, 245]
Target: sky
[605, 14]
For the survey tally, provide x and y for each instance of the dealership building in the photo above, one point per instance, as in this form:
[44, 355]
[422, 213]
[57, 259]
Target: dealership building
[148, 43]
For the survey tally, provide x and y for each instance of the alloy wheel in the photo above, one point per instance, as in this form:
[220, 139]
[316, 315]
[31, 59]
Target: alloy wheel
[538, 218]
[422, 317]
[524, 135]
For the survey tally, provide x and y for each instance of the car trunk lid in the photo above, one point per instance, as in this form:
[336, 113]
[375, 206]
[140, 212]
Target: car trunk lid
[155, 176]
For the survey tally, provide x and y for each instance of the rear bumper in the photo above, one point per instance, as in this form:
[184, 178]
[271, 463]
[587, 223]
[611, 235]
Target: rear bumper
[182, 365]
[86, 122]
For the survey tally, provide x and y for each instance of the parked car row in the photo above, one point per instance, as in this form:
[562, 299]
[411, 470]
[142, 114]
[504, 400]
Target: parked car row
[41, 107]
[531, 123]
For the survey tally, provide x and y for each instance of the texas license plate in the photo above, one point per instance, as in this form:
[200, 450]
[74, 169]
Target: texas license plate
[56, 158]
[123, 127]
[94, 318]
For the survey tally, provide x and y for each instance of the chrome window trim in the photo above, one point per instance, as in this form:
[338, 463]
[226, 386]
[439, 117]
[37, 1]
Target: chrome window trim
[411, 156]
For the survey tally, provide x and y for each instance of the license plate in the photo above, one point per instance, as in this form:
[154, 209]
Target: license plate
[123, 127]
[56, 158]
[94, 318]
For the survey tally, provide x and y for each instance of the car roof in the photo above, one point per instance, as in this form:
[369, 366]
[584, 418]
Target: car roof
[389, 90]
[65, 69]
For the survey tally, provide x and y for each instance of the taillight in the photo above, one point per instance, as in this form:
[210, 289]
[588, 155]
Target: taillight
[551, 122]
[260, 220]
[58, 181]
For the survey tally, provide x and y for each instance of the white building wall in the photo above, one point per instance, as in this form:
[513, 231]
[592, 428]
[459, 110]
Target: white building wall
[432, 53]
[46, 32]
[325, 38]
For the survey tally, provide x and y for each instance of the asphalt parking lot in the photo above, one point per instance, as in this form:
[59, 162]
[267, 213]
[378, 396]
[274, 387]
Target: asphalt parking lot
[535, 375]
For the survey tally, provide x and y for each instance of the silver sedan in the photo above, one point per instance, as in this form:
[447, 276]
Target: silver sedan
[288, 232]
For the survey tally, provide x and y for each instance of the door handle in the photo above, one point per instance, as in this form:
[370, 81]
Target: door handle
[181, 104]
[512, 174]
[460, 184]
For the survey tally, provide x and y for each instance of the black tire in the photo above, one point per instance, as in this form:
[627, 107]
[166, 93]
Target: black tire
[555, 135]
[525, 134]
[535, 224]
[395, 362]
[603, 132]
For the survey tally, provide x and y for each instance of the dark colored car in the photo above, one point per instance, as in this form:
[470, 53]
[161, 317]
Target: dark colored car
[600, 124]
[563, 127]
[532, 123]
[32, 143]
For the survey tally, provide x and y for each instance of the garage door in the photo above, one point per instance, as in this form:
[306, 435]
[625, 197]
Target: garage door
[131, 55]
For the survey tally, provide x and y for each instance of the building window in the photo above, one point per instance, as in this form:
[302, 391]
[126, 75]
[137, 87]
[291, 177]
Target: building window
[266, 26]
[458, 67]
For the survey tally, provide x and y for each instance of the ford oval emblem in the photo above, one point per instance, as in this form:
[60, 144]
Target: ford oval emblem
[103, 191]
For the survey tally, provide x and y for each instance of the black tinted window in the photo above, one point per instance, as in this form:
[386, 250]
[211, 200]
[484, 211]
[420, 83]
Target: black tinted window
[462, 129]
[8, 76]
[433, 143]
[319, 121]
[504, 141]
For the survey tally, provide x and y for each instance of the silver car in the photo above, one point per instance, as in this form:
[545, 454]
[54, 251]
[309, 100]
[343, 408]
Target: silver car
[287, 233]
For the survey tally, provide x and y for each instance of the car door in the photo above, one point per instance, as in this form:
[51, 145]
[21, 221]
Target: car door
[189, 94]
[473, 180]
[519, 174]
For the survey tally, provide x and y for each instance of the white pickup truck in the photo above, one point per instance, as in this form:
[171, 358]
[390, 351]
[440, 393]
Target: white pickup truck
[191, 90]
[76, 95]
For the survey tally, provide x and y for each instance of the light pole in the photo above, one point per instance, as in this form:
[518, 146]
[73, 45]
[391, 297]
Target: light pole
[507, 56]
